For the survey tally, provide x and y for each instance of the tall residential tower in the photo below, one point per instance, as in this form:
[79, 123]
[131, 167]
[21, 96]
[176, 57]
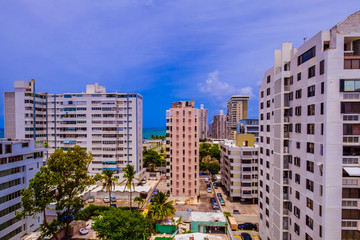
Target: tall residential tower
[309, 138]
[237, 109]
[203, 122]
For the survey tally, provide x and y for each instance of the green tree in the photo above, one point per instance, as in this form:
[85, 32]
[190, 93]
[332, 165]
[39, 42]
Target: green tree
[61, 181]
[37, 197]
[109, 181]
[160, 207]
[204, 150]
[140, 201]
[151, 157]
[215, 152]
[129, 177]
[213, 167]
[117, 224]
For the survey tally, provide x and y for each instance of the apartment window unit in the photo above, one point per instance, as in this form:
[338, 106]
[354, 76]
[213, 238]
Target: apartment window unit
[268, 91]
[298, 94]
[349, 203]
[322, 88]
[320, 210]
[12, 233]
[297, 212]
[311, 110]
[310, 128]
[311, 91]
[9, 223]
[322, 67]
[296, 229]
[351, 150]
[351, 193]
[11, 171]
[262, 94]
[261, 105]
[299, 76]
[351, 63]
[268, 103]
[350, 85]
[322, 108]
[309, 185]
[350, 107]
[351, 214]
[298, 127]
[310, 147]
[306, 56]
[262, 116]
[351, 129]
[9, 197]
[307, 237]
[310, 203]
[10, 209]
[310, 166]
[298, 145]
[351, 117]
[10, 184]
[268, 116]
[322, 129]
[297, 195]
[350, 161]
[297, 178]
[309, 222]
[298, 111]
[311, 71]
[268, 79]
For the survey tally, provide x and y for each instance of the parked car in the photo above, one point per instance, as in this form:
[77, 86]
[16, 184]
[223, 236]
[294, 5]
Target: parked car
[212, 200]
[209, 190]
[215, 206]
[206, 179]
[247, 226]
[208, 185]
[245, 236]
[91, 199]
[113, 205]
[219, 195]
[113, 199]
[222, 202]
[106, 199]
[215, 185]
[236, 211]
[83, 231]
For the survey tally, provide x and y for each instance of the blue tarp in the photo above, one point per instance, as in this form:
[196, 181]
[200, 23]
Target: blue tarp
[109, 161]
[112, 169]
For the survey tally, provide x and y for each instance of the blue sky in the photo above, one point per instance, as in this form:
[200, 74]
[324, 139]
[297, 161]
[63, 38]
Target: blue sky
[165, 50]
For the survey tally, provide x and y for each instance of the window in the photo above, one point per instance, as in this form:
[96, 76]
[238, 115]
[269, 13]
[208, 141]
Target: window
[351, 129]
[298, 145]
[321, 108]
[311, 72]
[297, 229]
[306, 56]
[268, 79]
[350, 107]
[322, 87]
[268, 91]
[309, 203]
[307, 237]
[351, 150]
[310, 128]
[310, 166]
[322, 67]
[299, 76]
[309, 222]
[351, 63]
[310, 147]
[262, 94]
[311, 110]
[309, 185]
[311, 91]
[261, 105]
[297, 212]
[298, 127]
[297, 178]
[298, 94]
[297, 195]
[350, 85]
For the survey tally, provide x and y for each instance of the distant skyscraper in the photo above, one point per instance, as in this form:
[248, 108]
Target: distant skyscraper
[182, 149]
[220, 126]
[107, 124]
[203, 122]
[19, 160]
[309, 138]
[237, 109]
[211, 129]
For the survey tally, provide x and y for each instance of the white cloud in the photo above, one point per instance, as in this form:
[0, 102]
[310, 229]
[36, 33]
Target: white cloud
[216, 88]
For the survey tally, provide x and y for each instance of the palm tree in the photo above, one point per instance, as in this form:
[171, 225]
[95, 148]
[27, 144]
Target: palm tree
[160, 208]
[129, 177]
[139, 201]
[109, 181]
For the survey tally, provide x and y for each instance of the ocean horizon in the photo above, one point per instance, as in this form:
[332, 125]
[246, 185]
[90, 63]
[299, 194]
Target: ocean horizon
[147, 132]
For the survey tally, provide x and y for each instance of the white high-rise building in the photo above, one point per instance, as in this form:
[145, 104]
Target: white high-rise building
[203, 122]
[107, 124]
[309, 138]
[19, 161]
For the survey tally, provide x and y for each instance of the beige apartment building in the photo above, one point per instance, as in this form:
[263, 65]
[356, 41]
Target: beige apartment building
[239, 167]
[220, 126]
[237, 109]
[309, 149]
[182, 149]
[107, 124]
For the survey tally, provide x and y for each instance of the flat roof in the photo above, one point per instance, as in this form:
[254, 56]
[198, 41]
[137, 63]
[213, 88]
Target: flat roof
[208, 217]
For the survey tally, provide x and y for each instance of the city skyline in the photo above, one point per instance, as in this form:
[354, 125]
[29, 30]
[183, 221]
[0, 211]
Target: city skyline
[209, 57]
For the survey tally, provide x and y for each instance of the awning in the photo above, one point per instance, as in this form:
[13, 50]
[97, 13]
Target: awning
[352, 171]
[109, 161]
[112, 169]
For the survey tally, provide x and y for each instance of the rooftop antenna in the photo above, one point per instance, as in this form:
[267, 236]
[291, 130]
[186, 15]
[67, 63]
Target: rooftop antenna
[305, 38]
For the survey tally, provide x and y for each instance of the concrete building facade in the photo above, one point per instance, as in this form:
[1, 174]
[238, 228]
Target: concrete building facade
[239, 167]
[248, 126]
[182, 149]
[19, 161]
[220, 126]
[203, 122]
[309, 146]
[107, 124]
[237, 109]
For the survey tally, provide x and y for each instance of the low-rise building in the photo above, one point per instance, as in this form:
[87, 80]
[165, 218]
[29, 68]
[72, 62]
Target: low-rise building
[19, 160]
[239, 167]
[249, 126]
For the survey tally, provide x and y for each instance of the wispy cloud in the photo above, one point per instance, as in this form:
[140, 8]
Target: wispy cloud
[213, 87]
